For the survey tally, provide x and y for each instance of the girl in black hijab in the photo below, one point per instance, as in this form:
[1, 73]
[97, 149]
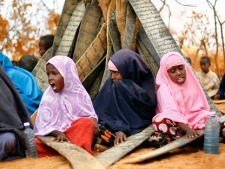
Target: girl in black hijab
[13, 114]
[126, 103]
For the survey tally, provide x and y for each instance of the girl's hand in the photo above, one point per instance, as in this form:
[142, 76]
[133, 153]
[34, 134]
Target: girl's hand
[97, 130]
[120, 137]
[192, 133]
[59, 136]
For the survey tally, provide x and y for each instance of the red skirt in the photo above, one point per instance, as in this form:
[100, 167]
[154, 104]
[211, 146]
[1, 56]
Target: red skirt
[167, 126]
[81, 133]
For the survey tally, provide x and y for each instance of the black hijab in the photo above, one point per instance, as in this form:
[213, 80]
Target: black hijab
[13, 113]
[127, 105]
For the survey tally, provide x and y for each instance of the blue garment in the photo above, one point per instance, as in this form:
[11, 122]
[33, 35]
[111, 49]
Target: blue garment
[24, 82]
[221, 90]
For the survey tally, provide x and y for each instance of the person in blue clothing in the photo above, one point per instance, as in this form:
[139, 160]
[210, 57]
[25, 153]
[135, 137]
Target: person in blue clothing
[221, 92]
[24, 82]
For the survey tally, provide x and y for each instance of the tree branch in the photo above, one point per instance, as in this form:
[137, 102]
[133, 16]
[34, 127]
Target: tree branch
[188, 5]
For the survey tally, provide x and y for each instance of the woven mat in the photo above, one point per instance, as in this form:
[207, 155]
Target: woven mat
[77, 156]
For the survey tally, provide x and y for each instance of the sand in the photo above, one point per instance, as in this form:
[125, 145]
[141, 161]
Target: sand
[56, 162]
[190, 157]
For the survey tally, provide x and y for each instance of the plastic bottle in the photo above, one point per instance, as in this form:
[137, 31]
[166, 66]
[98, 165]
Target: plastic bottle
[31, 150]
[211, 136]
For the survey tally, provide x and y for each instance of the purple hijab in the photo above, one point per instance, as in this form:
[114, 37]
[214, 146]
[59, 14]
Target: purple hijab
[58, 110]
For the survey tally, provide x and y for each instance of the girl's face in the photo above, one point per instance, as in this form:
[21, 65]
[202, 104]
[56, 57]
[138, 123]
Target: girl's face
[177, 74]
[116, 75]
[55, 79]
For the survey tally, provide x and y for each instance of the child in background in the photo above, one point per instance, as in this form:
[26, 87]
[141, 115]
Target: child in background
[28, 62]
[45, 43]
[221, 92]
[126, 103]
[66, 111]
[208, 78]
[182, 107]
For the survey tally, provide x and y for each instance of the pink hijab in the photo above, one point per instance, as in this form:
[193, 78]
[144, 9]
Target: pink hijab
[185, 103]
[58, 110]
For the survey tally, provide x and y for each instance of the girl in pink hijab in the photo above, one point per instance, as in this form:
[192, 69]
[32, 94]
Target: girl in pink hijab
[66, 111]
[181, 103]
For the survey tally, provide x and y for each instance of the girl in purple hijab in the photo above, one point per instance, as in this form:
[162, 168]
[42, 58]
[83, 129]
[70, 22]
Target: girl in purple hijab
[66, 111]
[126, 103]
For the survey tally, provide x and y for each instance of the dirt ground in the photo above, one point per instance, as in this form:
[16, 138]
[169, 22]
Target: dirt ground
[190, 157]
[187, 157]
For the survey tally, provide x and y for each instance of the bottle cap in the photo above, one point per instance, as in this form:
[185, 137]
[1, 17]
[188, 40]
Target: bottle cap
[213, 113]
[26, 124]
